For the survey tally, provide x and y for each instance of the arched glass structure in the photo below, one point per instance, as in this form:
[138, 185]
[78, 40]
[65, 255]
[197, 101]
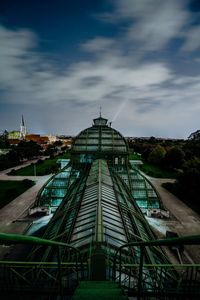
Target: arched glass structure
[100, 141]
[101, 204]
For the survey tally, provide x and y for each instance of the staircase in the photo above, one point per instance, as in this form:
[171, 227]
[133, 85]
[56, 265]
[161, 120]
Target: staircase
[98, 290]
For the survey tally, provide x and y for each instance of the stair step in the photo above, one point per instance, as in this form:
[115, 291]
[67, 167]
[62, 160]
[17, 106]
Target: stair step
[98, 290]
[97, 284]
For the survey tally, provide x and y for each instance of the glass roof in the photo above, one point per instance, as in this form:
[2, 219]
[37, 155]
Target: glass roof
[99, 208]
[100, 138]
[141, 189]
[54, 191]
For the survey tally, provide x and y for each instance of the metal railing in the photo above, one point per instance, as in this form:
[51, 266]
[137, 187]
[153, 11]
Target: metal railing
[42, 276]
[143, 280]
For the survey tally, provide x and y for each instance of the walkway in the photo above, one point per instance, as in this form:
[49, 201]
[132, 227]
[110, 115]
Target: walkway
[183, 219]
[23, 165]
[18, 208]
[12, 215]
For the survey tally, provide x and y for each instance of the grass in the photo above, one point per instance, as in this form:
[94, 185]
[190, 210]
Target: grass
[134, 156]
[43, 167]
[156, 171]
[12, 189]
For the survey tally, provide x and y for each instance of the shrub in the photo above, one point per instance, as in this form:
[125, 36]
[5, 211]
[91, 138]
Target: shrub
[27, 182]
[12, 172]
[11, 193]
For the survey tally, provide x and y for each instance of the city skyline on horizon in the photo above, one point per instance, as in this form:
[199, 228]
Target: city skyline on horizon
[138, 60]
[73, 135]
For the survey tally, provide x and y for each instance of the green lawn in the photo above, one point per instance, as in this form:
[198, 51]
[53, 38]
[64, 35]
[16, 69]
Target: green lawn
[42, 168]
[156, 171]
[134, 156]
[9, 190]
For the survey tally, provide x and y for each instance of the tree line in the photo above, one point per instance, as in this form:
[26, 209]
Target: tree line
[181, 156]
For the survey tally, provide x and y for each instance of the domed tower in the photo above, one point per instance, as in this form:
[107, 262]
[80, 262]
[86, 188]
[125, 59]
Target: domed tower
[100, 141]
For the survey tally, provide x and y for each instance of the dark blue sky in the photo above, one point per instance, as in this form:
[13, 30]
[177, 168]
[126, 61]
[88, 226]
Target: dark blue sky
[60, 25]
[138, 59]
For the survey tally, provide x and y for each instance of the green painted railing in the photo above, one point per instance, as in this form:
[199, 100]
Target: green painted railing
[10, 239]
[140, 269]
[141, 274]
[31, 240]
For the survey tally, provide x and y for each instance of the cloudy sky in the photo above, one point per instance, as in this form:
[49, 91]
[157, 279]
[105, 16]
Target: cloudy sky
[137, 59]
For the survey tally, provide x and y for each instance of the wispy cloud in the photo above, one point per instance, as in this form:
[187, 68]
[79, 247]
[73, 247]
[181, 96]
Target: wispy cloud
[192, 39]
[98, 44]
[150, 23]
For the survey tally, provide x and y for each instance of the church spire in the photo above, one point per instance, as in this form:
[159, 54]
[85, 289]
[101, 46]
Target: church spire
[22, 129]
[23, 120]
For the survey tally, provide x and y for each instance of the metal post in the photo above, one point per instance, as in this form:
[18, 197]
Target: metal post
[140, 272]
[59, 273]
[82, 267]
[120, 266]
[77, 267]
[114, 269]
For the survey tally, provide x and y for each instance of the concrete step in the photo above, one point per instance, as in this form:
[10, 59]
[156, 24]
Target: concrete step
[98, 290]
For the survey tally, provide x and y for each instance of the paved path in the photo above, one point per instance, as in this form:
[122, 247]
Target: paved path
[23, 165]
[183, 219]
[19, 178]
[17, 208]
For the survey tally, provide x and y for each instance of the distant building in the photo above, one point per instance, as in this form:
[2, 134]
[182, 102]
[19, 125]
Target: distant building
[22, 129]
[66, 140]
[37, 138]
[14, 134]
[52, 138]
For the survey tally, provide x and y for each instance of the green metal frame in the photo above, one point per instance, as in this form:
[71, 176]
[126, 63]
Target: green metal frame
[50, 186]
[29, 276]
[192, 278]
[23, 276]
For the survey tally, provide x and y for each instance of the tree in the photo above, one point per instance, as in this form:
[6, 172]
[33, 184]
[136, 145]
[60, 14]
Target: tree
[9, 160]
[57, 143]
[189, 181]
[195, 135]
[51, 150]
[174, 158]
[4, 140]
[152, 140]
[193, 144]
[28, 149]
[187, 186]
[157, 155]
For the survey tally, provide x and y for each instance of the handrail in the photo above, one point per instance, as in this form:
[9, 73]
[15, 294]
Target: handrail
[23, 239]
[185, 240]
[31, 240]
[33, 263]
